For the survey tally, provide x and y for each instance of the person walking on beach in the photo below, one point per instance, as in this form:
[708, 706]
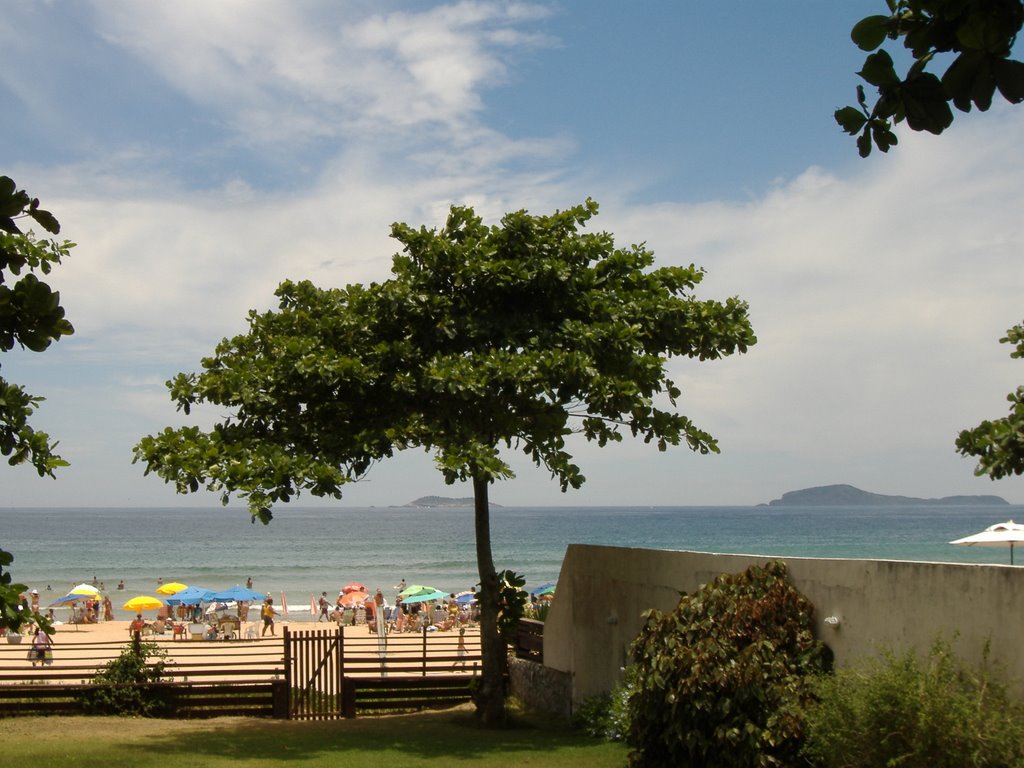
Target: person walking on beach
[41, 644]
[324, 606]
[460, 650]
[267, 613]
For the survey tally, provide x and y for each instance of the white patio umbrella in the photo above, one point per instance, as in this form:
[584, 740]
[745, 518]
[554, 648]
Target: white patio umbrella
[999, 535]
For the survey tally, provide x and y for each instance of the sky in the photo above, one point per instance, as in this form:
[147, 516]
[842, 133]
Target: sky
[199, 153]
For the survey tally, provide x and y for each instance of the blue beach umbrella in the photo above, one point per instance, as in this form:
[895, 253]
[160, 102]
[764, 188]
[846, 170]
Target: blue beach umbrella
[190, 596]
[543, 589]
[238, 593]
[465, 598]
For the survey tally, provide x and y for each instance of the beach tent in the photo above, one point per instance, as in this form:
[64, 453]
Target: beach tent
[999, 535]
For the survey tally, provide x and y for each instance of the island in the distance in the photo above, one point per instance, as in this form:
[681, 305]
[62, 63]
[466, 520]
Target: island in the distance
[444, 501]
[848, 496]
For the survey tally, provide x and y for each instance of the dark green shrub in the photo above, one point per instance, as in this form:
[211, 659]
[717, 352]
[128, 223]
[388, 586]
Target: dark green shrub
[607, 714]
[723, 679]
[126, 685]
[899, 710]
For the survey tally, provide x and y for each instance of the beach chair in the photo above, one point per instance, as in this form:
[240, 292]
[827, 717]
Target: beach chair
[179, 631]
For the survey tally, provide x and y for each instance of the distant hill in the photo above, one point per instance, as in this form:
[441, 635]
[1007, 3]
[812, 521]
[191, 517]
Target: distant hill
[443, 501]
[848, 496]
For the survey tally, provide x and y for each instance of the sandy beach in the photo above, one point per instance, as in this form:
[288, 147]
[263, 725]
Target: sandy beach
[80, 650]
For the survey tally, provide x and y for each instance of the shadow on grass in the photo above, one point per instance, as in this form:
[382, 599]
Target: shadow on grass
[427, 736]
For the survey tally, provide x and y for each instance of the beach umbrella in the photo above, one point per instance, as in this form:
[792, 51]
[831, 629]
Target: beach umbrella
[355, 586]
[425, 597]
[68, 599]
[415, 589]
[543, 589]
[84, 590]
[465, 598]
[237, 593]
[171, 588]
[189, 596]
[350, 599]
[999, 535]
[143, 603]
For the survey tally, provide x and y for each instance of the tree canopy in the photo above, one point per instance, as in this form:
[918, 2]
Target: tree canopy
[31, 317]
[486, 339]
[976, 37]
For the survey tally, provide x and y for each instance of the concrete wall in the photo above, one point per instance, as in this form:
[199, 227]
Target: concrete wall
[602, 592]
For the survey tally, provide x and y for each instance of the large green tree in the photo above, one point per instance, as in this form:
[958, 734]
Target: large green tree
[31, 317]
[486, 339]
[973, 38]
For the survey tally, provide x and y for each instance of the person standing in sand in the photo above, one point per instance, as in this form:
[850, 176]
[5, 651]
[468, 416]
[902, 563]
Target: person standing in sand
[41, 645]
[267, 613]
[324, 606]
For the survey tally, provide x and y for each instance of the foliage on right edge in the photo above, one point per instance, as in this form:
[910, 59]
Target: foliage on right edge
[998, 444]
[901, 710]
[723, 679]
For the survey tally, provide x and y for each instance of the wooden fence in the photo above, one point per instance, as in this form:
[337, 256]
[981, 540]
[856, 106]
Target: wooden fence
[260, 677]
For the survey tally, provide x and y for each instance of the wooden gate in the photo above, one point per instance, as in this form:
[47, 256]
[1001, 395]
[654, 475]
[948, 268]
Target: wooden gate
[314, 666]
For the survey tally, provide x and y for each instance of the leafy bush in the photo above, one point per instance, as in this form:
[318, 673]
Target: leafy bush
[899, 710]
[723, 679]
[125, 684]
[607, 714]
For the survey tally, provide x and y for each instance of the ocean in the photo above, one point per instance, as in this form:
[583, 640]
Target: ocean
[307, 550]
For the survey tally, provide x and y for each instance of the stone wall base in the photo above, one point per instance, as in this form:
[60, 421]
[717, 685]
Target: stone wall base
[541, 688]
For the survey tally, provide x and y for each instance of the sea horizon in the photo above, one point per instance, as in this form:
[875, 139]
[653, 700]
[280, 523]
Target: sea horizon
[307, 550]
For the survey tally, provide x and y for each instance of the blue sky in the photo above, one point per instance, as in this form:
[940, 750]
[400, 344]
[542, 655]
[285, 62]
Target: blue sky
[199, 153]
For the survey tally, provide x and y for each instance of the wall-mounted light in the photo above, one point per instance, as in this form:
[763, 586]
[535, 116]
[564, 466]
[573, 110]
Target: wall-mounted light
[832, 621]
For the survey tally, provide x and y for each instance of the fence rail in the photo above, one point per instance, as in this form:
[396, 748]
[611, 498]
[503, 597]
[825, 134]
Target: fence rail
[206, 678]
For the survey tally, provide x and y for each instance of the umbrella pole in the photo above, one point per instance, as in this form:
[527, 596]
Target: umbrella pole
[1011, 553]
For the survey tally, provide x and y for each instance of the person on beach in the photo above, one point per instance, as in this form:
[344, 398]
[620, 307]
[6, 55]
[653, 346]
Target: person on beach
[267, 613]
[248, 582]
[460, 650]
[41, 643]
[137, 625]
[324, 606]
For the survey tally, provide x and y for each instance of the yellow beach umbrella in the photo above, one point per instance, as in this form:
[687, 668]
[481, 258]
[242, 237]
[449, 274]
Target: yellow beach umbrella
[143, 603]
[171, 589]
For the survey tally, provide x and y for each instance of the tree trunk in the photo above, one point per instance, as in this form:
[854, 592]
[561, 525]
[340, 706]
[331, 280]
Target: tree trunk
[490, 701]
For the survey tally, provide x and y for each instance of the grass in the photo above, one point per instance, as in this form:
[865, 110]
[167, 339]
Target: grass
[444, 738]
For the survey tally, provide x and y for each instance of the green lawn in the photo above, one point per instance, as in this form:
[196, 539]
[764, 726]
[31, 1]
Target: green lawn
[429, 739]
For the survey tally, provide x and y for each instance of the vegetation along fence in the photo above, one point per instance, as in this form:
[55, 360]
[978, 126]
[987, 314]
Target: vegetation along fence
[307, 674]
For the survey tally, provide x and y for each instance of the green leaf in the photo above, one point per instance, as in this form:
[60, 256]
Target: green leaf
[924, 101]
[1009, 76]
[878, 70]
[869, 33]
[850, 119]
[46, 220]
